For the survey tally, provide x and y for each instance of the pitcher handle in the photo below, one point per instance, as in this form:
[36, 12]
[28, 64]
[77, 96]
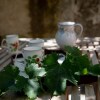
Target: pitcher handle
[81, 28]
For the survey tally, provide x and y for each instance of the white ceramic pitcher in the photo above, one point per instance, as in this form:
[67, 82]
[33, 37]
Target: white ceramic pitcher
[66, 34]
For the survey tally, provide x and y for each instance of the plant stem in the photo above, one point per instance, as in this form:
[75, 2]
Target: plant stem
[51, 97]
[42, 86]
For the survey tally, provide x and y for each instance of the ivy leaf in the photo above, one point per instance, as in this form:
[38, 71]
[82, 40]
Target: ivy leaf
[50, 59]
[20, 83]
[81, 64]
[51, 75]
[55, 80]
[31, 88]
[58, 74]
[70, 71]
[72, 50]
[94, 70]
[30, 60]
[7, 77]
[33, 70]
[11, 70]
[77, 64]
[71, 78]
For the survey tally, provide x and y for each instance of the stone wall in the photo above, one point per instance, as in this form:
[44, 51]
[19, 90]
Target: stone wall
[46, 14]
[14, 17]
[39, 18]
[87, 12]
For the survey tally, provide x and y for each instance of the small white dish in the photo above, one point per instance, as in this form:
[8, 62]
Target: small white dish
[22, 73]
[19, 62]
[25, 39]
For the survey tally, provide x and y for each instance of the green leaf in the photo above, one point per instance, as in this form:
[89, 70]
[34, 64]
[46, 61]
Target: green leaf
[85, 71]
[55, 80]
[71, 78]
[50, 59]
[30, 60]
[31, 89]
[20, 83]
[94, 70]
[77, 64]
[11, 70]
[72, 50]
[51, 75]
[7, 77]
[33, 70]
[57, 74]
[70, 70]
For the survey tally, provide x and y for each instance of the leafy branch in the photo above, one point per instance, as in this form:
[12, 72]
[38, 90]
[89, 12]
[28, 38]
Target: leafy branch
[48, 75]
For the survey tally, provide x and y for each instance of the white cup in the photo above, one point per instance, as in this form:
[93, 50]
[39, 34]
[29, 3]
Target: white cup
[31, 51]
[28, 52]
[12, 43]
[36, 42]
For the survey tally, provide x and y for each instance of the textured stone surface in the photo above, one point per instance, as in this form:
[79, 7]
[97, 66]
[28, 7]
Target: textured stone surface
[14, 17]
[88, 13]
[39, 18]
[46, 14]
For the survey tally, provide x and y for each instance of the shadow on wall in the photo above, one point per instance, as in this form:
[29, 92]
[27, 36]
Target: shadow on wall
[43, 17]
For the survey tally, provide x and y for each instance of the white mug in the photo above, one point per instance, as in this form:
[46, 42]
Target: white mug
[31, 51]
[28, 52]
[12, 43]
[36, 42]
